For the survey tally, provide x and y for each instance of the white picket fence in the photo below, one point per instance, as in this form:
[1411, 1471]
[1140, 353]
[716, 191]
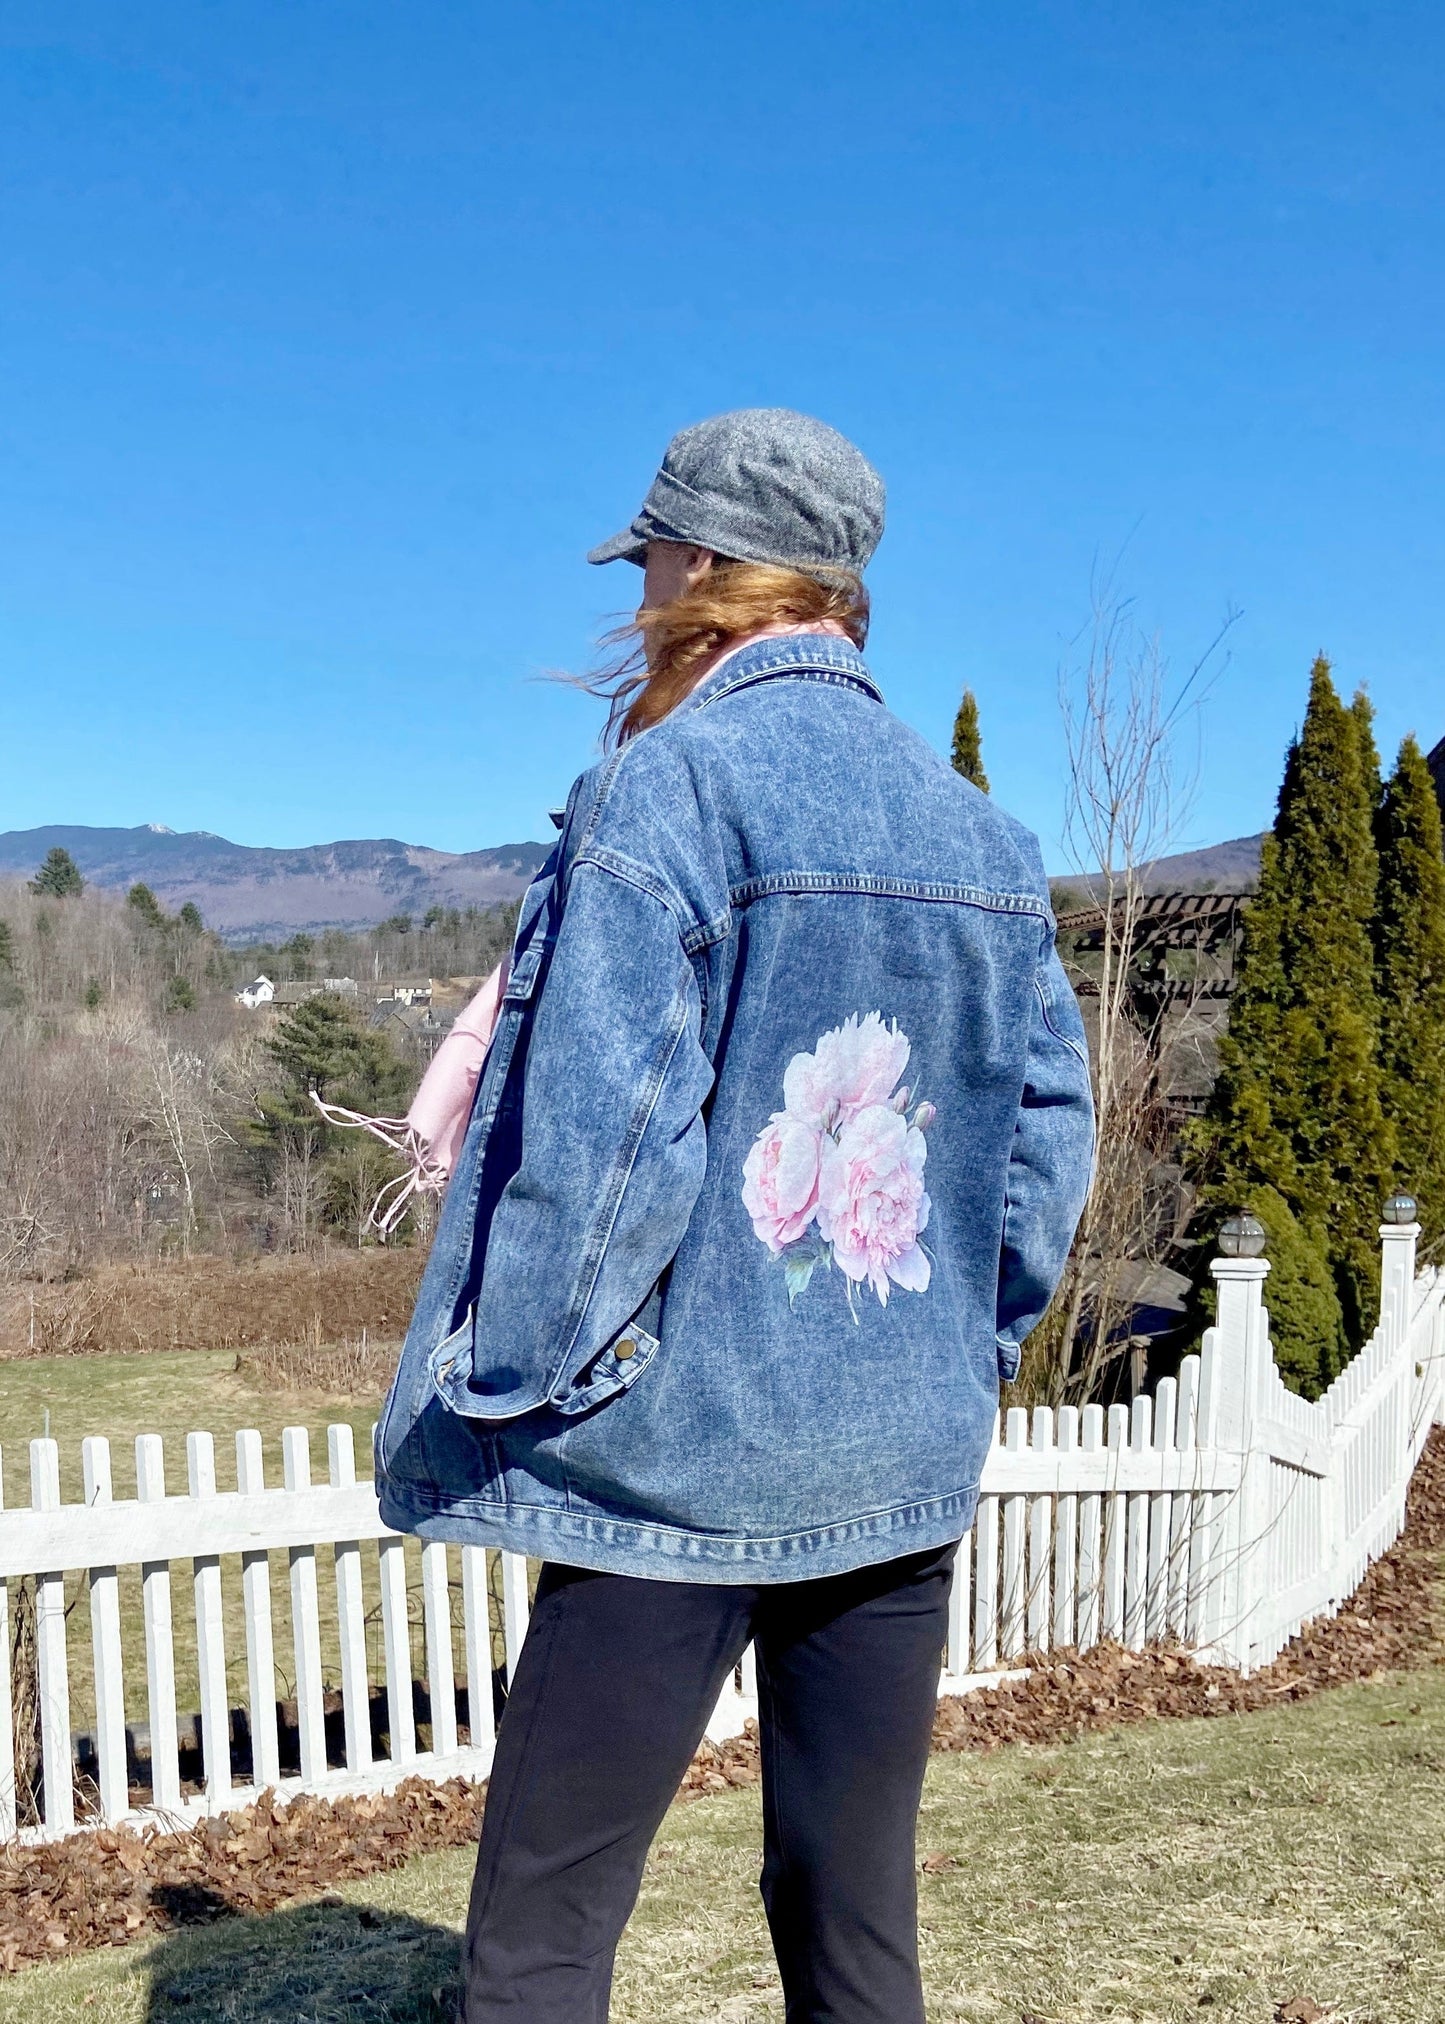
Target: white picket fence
[1222, 1514]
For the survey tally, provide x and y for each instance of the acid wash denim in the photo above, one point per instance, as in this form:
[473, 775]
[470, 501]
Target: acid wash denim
[775, 1159]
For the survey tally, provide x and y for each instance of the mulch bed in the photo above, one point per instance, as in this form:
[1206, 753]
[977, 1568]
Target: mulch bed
[113, 1886]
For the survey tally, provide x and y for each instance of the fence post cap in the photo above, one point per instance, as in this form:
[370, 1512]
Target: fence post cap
[1400, 1210]
[1239, 1268]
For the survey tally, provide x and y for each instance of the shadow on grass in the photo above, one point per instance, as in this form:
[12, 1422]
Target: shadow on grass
[326, 1963]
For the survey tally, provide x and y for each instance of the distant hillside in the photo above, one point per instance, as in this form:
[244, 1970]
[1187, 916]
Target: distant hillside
[1231, 867]
[248, 893]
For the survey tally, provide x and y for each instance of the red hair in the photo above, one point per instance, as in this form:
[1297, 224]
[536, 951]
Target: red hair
[666, 647]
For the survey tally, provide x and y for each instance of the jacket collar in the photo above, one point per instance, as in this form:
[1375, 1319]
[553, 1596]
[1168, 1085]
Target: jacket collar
[801, 657]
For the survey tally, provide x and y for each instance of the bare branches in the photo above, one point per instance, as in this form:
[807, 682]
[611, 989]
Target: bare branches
[1125, 799]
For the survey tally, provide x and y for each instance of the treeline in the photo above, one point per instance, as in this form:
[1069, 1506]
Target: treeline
[445, 942]
[144, 1114]
[1331, 1093]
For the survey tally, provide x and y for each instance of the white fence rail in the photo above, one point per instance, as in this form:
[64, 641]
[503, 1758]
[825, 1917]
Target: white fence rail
[1222, 1514]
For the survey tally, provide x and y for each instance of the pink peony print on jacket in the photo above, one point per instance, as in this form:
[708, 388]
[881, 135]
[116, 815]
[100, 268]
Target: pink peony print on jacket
[836, 1176]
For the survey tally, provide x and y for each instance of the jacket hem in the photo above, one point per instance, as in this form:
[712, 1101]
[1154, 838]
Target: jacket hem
[671, 1553]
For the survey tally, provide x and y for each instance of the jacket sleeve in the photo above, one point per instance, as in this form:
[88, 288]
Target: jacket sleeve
[613, 1154]
[1051, 1161]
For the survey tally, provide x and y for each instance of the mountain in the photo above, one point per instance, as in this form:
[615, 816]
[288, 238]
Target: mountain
[1231, 867]
[253, 894]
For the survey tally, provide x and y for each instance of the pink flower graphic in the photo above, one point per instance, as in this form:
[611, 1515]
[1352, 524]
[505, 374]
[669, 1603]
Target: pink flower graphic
[836, 1176]
[855, 1065]
[872, 1202]
[780, 1180]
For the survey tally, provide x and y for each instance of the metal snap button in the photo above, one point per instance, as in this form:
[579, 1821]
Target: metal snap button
[626, 1348]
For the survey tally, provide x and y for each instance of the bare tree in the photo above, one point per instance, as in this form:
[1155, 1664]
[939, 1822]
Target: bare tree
[1126, 797]
[180, 1100]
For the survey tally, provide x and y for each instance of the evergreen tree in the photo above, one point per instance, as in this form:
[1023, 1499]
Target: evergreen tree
[1297, 1107]
[190, 918]
[7, 947]
[968, 743]
[320, 1046]
[298, 954]
[1410, 954]
[59, 877]
[146, 906]
[1362, 711]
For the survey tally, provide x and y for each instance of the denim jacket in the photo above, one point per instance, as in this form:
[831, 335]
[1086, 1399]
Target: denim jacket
[775, 1159]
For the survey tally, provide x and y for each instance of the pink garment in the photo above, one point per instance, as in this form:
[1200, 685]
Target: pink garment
[430, 1136]
[443, 1104]
[830, 626]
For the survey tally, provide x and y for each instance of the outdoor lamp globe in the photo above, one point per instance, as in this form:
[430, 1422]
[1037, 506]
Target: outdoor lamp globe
[1241, 1236]
[1401, 1208]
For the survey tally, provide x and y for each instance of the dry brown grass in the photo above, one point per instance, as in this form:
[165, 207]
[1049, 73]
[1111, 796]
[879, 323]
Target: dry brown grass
[346, 1369]
[213, 1303]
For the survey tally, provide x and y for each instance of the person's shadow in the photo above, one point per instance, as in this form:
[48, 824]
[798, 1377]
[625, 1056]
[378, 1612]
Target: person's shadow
[325, 1963]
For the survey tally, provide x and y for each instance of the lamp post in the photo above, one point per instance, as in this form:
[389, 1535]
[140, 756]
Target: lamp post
[1399, 1234]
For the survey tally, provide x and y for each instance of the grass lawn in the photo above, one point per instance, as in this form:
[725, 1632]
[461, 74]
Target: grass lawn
[170, 1392]
[1170, 1871]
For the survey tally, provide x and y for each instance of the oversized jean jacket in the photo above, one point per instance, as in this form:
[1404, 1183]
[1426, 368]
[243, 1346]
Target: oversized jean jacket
[775, 1159]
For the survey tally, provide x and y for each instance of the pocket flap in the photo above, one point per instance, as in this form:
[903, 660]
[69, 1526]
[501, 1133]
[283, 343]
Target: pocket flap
[522, 978]
[510, 1392]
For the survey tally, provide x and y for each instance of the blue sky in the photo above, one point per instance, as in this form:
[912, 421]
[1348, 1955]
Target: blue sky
[332, 335]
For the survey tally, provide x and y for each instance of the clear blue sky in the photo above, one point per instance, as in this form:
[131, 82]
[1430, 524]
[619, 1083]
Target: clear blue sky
[333, 334]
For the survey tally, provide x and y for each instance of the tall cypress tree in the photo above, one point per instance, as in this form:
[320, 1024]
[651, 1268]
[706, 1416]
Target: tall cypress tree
[1362, 711]
[967, 752]
[1297, 1108]
[1410, 956]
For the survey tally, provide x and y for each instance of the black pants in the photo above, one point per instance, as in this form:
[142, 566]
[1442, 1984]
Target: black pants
[614, 1686]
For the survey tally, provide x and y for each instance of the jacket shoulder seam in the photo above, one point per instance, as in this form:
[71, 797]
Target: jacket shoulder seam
[601, 857]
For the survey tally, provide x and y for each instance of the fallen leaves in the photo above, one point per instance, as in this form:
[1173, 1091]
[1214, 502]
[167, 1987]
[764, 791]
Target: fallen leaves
[105, 1888]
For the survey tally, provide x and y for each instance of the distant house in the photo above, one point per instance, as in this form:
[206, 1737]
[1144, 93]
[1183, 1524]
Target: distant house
[403, 991]
[414, 1029]
[296, 993]
[260, 991]
[340, 987]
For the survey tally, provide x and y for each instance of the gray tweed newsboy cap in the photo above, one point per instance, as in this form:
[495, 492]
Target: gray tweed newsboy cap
[761, 485]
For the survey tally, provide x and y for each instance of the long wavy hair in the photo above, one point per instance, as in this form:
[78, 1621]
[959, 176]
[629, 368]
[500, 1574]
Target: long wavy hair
[659, 653]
